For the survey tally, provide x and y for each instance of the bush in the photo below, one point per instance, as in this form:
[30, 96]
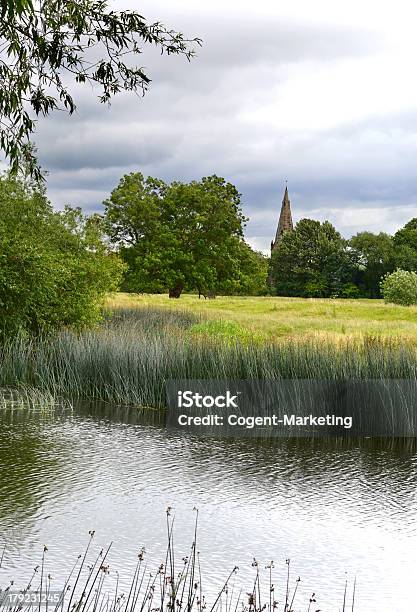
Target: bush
[54, 267]
[400, 287]
[350, 291]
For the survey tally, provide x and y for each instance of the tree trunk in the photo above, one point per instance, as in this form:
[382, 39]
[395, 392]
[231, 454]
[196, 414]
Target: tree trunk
[176, 291]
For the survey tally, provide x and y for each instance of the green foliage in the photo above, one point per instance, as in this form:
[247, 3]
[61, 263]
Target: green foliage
[10, 8]
[54, 267]
[45, 43]
[182, 236]
[250, 271]
[375, 254]
[407, 236]
[350, 291]
[405, 243]
[311, 261]
[400, 287]
[314, 261]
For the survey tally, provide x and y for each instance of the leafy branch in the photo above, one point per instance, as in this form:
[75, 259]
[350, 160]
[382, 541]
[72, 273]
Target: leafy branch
[45, 41]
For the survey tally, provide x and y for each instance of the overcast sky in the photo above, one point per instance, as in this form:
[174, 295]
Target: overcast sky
[321, 93]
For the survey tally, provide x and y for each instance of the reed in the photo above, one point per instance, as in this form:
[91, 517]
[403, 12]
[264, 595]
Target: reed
[175, 585]
[27, 398]
[129, 357]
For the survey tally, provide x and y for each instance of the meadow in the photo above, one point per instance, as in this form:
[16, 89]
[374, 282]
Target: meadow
[282, 318]
[145, 340]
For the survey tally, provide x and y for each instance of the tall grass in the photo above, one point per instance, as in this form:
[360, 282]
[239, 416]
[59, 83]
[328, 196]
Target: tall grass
[175, 585]
[127, 359]
[27, 397]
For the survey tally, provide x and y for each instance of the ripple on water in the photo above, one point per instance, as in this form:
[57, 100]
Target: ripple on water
[333, 508]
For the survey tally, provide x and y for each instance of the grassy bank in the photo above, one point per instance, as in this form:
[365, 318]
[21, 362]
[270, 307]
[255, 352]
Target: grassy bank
[127, 359]
[276, 318]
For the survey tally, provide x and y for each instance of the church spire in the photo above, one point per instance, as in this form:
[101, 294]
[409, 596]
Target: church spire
[285, 223]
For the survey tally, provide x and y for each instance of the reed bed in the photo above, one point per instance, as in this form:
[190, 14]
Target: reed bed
[176, 585]
[129, 357]
[28, 398]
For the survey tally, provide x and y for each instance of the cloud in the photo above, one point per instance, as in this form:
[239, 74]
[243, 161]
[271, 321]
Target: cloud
[274, 93]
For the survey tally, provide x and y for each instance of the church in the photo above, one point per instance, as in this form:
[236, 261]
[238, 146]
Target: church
[285, 223]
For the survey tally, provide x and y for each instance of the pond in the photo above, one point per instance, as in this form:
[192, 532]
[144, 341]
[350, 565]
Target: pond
[337, 509]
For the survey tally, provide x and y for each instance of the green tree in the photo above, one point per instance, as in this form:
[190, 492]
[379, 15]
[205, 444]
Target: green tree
[407, 236]
[250, 273]
[311, 261]
[54, 267]
[375, 254]
[405, 244]
[48, 44]
[10, 8]
[177, 236]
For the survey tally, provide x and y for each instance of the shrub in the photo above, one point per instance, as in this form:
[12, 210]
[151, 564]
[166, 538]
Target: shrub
[400, 287]
[350, 291]
[54, 267]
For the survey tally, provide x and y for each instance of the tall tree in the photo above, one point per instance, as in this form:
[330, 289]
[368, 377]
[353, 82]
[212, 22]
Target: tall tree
[311, 261]
[405, 244]
[177, 236]
[47, 44]
[375, 257]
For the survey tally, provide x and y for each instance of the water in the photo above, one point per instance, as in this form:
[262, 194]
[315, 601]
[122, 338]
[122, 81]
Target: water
[336, 509]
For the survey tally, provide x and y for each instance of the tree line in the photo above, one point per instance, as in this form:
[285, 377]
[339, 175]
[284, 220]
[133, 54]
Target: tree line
[56, 267]
[315, 261]
[189, 237]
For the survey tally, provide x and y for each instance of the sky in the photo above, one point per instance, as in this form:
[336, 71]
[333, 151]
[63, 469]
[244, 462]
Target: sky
[323, 94]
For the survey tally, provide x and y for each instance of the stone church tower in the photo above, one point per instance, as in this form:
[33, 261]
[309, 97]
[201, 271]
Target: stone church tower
[285, 223]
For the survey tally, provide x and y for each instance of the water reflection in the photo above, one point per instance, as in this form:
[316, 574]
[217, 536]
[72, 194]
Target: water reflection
[333, 506]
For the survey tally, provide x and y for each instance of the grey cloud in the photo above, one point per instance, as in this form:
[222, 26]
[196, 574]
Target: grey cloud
[70, 145]
[192, 124]
[317, 182]
[230, 45]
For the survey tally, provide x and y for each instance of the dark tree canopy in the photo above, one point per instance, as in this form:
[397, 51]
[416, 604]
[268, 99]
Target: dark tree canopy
[407, 235]
[311, 261]
[405, 245]
[248, 274]
[375, 257]
[10, 8]
[314, 260]
[46, 45]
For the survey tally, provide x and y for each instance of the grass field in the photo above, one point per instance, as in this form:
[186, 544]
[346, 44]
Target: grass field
[267, 318]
